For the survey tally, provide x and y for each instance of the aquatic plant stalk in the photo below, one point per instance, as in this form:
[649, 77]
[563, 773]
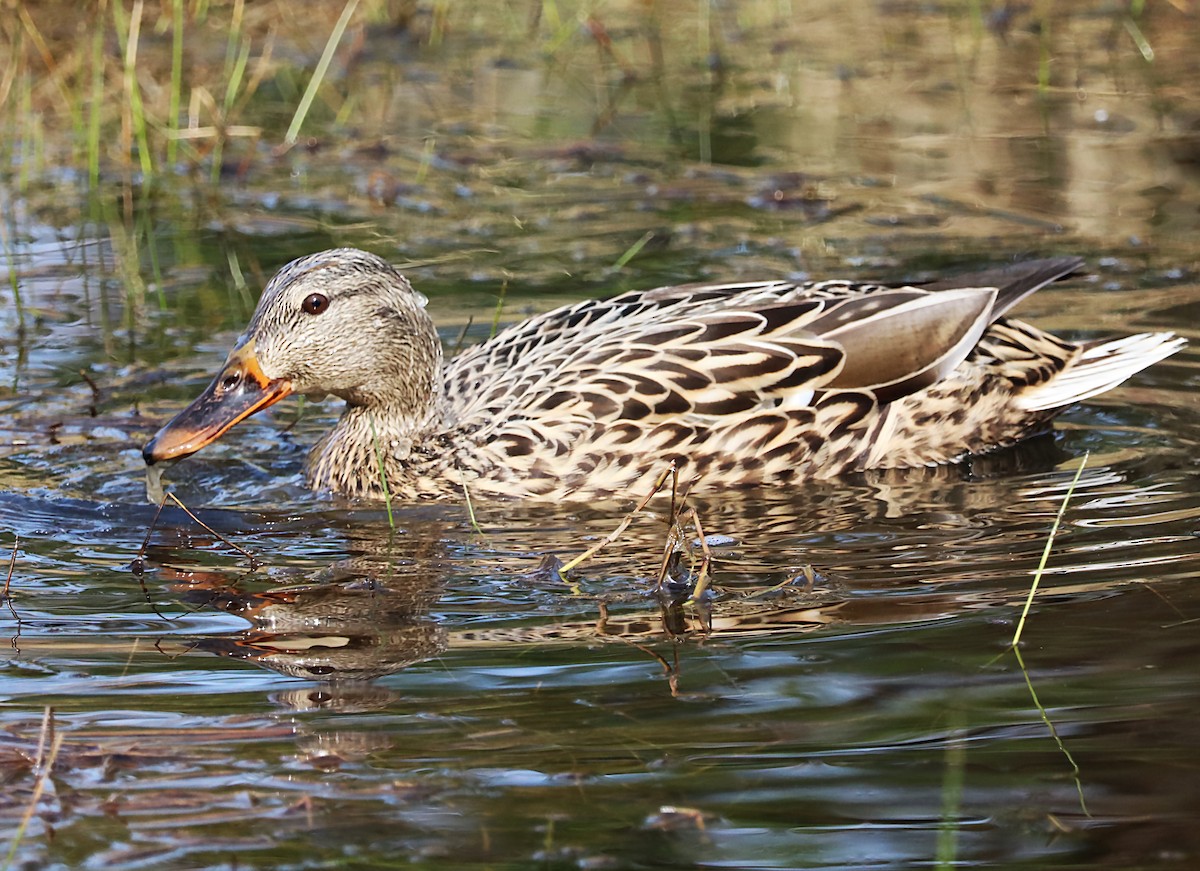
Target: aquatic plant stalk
[318, 75]
[633, 250]
[1053, 732]
[39, 43]
[14, 283]
[234, 38]
[427, 153]
[231, 89]
[949, 826]
[176, 81]
[147, 228]
[95, 107]
[1139, 39]
[133, 91]
[499, 309]
[1043, 20]
[387, 496]
[44, 765]
[1037, 575]
[470, 505]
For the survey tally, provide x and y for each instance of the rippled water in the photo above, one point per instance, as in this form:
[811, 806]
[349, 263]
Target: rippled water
[301, 685]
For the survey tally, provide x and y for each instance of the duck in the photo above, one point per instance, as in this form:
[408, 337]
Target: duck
[738, 384]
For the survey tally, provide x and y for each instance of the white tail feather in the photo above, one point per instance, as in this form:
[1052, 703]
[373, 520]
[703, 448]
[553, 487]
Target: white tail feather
[1101, 367]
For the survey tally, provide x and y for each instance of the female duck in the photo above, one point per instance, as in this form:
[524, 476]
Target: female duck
[740, 384]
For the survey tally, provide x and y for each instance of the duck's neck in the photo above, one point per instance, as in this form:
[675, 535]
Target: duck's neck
[347, 459]
[380, 428]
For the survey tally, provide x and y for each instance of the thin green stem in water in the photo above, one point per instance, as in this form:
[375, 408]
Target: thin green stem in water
[953, 776]
[1037, 575]
[95, 109]
[1053, 733]
[387, 496]
[470, 506]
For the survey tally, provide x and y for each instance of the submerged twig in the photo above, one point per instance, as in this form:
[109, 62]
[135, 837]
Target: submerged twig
[138, 565]
[83, 373]
[254, 563]
[1037, 575]
[670, 670]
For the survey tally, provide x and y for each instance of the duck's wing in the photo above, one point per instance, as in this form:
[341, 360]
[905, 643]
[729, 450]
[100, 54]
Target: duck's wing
[706, 352]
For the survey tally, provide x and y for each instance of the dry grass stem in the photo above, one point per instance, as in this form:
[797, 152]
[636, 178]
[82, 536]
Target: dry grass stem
[703, 577]
[621, 527]
[138, 563]
[254, 562]
[12, 562]
[43, 765]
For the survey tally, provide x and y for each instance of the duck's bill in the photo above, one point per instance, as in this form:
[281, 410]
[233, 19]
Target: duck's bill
[239, 390]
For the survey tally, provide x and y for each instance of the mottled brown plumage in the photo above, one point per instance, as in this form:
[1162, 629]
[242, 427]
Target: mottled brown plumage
[740, 384]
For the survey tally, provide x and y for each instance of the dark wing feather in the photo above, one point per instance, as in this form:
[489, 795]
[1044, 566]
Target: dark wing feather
[1013, 282]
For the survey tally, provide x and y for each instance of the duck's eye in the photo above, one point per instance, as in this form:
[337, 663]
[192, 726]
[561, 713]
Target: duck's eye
[315, 303]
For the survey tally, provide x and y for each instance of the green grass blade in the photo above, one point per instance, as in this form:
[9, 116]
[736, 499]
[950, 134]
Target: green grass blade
[1053, 733]
[633, 250]
[387, 496]
[1037, 575]
[470, 505]
[318, 75]
[95, 109]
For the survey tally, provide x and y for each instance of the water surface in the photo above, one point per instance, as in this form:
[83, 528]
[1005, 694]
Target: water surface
[335, 691]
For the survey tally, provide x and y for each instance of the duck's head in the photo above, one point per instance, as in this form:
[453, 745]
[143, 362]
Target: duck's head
[341, 322]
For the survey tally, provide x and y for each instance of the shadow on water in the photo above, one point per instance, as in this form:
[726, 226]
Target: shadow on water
[356, 695]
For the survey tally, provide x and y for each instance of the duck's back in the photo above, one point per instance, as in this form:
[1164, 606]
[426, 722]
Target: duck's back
[753, 382]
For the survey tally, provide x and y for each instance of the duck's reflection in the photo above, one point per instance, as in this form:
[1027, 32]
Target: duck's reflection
[375, 613]
[368, 622]
[348, 631]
